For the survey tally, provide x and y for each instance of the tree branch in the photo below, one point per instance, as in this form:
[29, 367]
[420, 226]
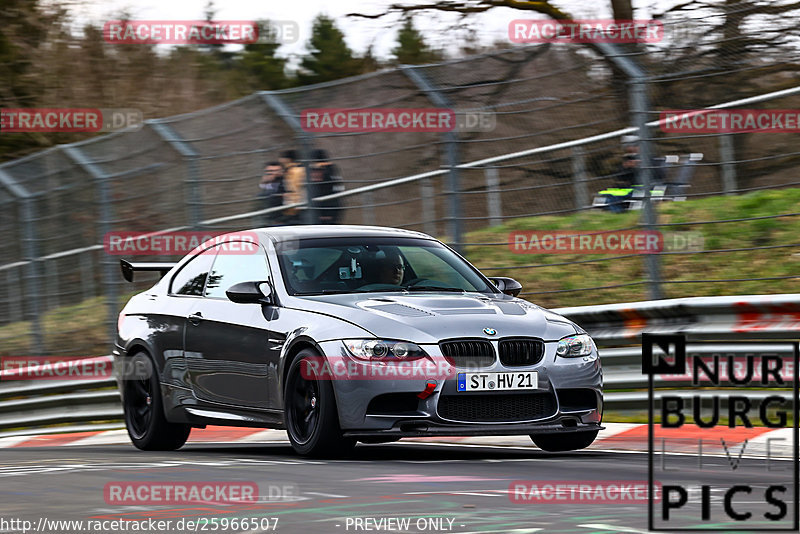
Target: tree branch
[468, 7]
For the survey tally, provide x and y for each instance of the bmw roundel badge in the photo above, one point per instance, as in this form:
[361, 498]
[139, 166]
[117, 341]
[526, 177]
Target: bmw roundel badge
[489, 331]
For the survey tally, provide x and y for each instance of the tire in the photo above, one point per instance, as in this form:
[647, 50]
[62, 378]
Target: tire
[143, 407]
[566, 441]
[312, 420]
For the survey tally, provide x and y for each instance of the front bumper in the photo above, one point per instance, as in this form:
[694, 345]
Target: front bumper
[390, 407]
[426, 428]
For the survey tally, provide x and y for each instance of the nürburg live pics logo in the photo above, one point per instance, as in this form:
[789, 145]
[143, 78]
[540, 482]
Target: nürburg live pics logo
[723, 435]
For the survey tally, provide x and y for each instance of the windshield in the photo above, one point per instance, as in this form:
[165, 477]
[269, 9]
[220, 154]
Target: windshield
[363, 265]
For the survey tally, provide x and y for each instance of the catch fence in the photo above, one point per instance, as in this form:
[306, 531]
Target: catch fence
[558, 113]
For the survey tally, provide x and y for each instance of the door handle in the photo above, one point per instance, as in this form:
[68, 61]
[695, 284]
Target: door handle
[195, 318]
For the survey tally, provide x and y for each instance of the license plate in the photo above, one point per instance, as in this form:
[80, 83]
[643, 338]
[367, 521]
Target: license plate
[498, 381]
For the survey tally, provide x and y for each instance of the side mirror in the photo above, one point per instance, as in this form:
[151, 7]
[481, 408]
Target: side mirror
[509, 286]
[249, 293]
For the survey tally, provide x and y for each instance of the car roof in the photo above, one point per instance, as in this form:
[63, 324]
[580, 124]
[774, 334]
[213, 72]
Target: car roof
[287, 233]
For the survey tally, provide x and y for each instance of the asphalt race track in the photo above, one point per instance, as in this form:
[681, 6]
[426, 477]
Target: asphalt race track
[451, 487]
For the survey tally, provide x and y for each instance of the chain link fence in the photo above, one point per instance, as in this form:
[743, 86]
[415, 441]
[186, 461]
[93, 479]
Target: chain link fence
[558, 115]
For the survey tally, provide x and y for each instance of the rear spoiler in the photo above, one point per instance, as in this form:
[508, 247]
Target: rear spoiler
[129, 268]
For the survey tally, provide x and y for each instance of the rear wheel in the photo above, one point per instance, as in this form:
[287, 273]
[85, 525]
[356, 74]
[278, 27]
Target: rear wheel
[566, 441]
[312, 420]
[143, 407]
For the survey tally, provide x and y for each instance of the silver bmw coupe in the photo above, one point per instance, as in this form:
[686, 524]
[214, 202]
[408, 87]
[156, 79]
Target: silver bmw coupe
[340, 334]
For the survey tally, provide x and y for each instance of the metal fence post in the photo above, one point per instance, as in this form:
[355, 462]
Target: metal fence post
[579, 178]
[452, 157]
[30, 253]
[428, 194]
[640, 107]
[33, 274]
[87, 275]
[306, 141]
[14, 301]
[311, 215]
[190, 157]
[105, 225]
[368, 208]
[493, 201]
[727, 158]
[51, 282]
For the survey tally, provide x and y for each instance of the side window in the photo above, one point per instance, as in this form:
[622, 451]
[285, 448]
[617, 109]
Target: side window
[234, 267]
[192, 276]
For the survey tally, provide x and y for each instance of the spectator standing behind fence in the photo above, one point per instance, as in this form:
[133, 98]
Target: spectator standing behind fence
[326, 180]
[628, 177]
[294, 183]
[271, 193]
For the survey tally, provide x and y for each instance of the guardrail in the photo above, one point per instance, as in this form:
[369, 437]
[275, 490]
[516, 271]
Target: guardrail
[736, 317]
[42, 406]
[52, 402]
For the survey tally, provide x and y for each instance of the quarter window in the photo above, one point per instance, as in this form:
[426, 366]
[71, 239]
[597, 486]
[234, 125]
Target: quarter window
[231, 268]
[191, 279]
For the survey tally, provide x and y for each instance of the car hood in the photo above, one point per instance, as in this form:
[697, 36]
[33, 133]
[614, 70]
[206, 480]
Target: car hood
[430, 317]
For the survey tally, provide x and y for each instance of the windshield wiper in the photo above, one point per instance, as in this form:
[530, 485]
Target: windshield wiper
[350, 291]
[384, 290]
[435, 288]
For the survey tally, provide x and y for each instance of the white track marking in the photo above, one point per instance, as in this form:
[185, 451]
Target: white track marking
[13, 440]
[265, 436]
[612, 429]
[507, 531]
[330, 495]
[110, 437]
[614, 528]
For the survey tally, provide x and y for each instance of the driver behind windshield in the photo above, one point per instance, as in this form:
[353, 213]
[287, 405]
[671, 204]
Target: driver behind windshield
[334, 265]
[389, 269]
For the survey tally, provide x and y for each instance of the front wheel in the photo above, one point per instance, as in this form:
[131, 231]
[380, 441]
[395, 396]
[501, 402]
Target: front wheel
[312, 420]
[143, 407]
[566, 441]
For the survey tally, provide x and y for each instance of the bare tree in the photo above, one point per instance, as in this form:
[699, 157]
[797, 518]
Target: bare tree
[623, 10]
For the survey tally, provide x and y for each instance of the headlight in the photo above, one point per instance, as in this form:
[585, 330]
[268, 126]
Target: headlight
[383, 350]
[575, 346]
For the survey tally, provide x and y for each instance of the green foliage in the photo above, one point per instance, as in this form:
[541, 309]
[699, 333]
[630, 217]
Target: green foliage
[330, 58]
[43, 62]
[411, 47]
[729, 233]
[264, 70]
[24, 25]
